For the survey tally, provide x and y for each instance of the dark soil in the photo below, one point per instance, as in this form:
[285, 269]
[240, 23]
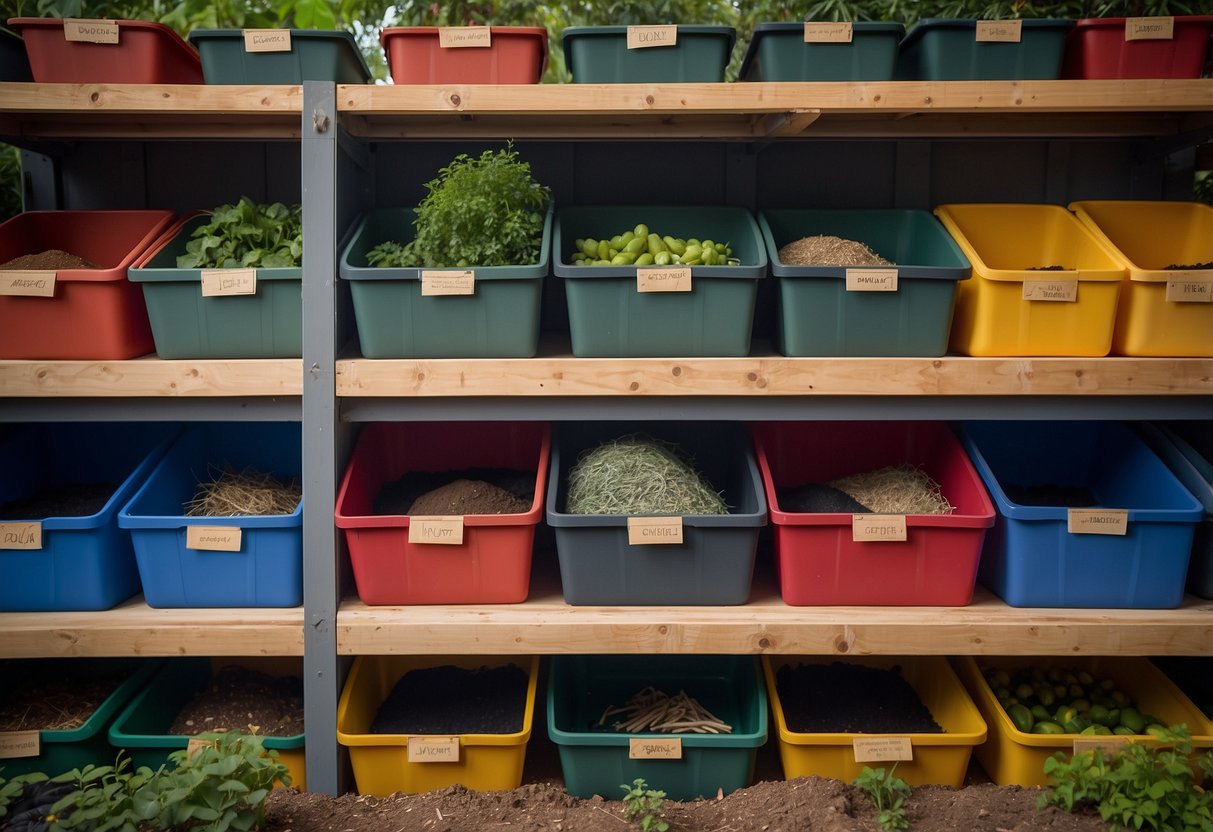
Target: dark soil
[469, 497]
[398, 497]
[50, 259]
[454, 700]
[239, 697]
[48, 695]
[850, 699]
[819, 499]
[60, 501]
[1046, 269]
[1190, 267]
[1073, 496]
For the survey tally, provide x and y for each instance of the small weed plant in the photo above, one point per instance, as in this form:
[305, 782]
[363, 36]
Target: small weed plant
[888, 794]
[643, 805]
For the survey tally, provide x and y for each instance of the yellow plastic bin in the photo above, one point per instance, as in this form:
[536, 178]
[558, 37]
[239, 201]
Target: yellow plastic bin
[1163, 311]
[486, 762]
[1012, 757]
[1017, 302]
[938, 759]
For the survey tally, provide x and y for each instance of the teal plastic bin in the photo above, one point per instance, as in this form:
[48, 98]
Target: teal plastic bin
[595, 758]
[778, 52]
[394, 320]
[314, 55]
[600, 55]
[819, 317]
[948, 50]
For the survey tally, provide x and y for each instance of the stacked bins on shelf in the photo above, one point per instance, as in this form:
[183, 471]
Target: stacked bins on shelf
[466, 54]
[106, 52]
[1143, 47]
[982, 50]
[279, 56]
[647, 54]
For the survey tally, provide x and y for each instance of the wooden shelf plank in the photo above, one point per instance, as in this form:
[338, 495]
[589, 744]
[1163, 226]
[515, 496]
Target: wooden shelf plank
[152, 377]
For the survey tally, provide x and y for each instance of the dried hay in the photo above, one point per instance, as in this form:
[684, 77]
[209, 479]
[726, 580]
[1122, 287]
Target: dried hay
[652, 710]
[897, 489]
[827, 250]
[245, 493]
[639, 475]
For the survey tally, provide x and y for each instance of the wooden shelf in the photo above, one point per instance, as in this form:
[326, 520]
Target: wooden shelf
[152, 377]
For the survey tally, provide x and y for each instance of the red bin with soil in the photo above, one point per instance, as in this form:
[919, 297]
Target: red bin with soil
[515, 55]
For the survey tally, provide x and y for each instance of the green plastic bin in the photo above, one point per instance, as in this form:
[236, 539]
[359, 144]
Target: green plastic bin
[600, 55]
[778, 52]
[268, 324]
[394, 320]
[595, 759]
[819, 317]
[948, 50]
[314, 56]
[609, 318]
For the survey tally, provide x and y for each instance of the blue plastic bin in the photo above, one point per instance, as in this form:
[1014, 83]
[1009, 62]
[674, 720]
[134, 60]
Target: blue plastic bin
[268, 569]
[86, 562]
[1030, 558]
[1178, 444]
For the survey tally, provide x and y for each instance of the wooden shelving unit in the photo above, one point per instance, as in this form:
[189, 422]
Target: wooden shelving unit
[152, 377]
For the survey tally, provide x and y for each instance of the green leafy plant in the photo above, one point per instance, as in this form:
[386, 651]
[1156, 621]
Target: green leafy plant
[643, 805]
[105, 798]
[888, 794]
[247, 235]
[1143, 786]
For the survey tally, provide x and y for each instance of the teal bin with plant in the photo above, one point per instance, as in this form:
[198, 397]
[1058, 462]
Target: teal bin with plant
[972, 50]
[864, 51]
[279, 56]
[690, 53]
[826, 309]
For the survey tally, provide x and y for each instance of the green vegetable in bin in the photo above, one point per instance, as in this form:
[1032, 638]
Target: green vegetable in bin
[641, 247]
[1059, 701]
[247, 235]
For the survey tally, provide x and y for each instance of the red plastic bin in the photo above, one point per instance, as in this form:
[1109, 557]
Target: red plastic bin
[816, 559]
[95, 314]
[516, 55]
[492, 565]
[1098, 48]
[146, 53]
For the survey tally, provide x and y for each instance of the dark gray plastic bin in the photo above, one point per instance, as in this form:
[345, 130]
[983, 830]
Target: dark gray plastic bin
[1185, 447]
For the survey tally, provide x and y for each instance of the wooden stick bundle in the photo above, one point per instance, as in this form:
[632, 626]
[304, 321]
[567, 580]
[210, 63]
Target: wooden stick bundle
[655, 711]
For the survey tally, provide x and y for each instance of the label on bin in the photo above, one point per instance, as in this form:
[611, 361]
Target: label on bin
[663, 279]
[267, 40]
[871, 280]
[643, 37]
[649, 531]
[999, 31]
[1190, 287]
[213, 538]
[841, 32]
[90, 31]
[436, 283]
[1064, 291]
[882, 749]
[224, 282]
[1106, 744]
[445, 530]
[654, 748]
[32, 284]
[433, 749]
[14, 744]
[21, 535]
[1098, 521]
[1149, 28]
[455, 37]
[866, 528]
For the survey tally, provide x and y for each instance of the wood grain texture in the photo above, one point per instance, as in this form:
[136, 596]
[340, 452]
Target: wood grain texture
[152, 377]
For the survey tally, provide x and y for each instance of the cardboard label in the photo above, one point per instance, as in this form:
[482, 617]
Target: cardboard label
[436, 283]
[35, 283]
[433, 749]
[267, 40]
[213, 538]
[1149, 28]
[21, 535]
[650, 531]
[676, 279]
[867, 528]
[90, 31]
[654, 748]
[456, 37]
[644, 37]
[195, 744]
[882, 749]
[828, 32]
[1098, 521]
[447, 531]
[1106, 744]
[871, 280]
[224, 282]
[1190, 287]
[1063, 291]
[16, 744]
[999, 31]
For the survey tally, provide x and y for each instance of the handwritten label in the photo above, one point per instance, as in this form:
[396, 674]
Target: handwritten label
[437, 283]
[15, 744]
[456, 37]
[828, 32]
[195, 744]
[433, 749]
[1149, 28]
[21, 535]
[90, 31]
[654, 748]
[224, 282]
[267, 40]
[445, 530]
[866, 528]
[663, 280]
[871, 280]
[1098, 521]
[1190, 287]
[999, 31]
[34, 284]
[1064, 291]
[213, 538]
[1106, 744]
[649, 531]
[882, 749]
[644, 37]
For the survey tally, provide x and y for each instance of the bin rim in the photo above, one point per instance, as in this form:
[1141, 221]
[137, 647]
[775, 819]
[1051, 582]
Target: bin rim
[141, 272]
[1136, 273]
[158, 219]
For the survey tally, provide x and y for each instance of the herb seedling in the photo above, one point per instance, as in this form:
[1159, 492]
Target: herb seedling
[246, 236]
[643, 805]
[888, 794]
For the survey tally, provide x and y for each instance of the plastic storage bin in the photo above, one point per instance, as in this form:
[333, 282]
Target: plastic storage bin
[94, 314]
[514, 55]
[185, 324]
[817, 559]
[1031, 557]
[267, 570]
[312, 56]
[600, 55]
[713, 565]
[779, 52]
[395, 320]
[1012, 757]
[493, 563]
[1011, 248]
[819, 316]
[949, 50]
[487, 762]
[142, 728]
[938, 759]
[596, 760]
[1195, 471]
[610, 318]
[1149, 236]
[14, 62]
[1101, 48]
[146, 53]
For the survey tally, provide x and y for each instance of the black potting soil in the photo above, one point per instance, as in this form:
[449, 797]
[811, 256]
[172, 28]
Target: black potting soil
[455, 700]
[1190, 267]
[396, 497]
[79, 500]
[815, 498]
[1046, 269]
[1048, 494]
[851, 699]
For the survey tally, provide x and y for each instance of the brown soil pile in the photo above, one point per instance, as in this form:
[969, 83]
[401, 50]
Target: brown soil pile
[51, 259]
[469, 497]
[826, 250]
[47, 696]
[239, 697]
